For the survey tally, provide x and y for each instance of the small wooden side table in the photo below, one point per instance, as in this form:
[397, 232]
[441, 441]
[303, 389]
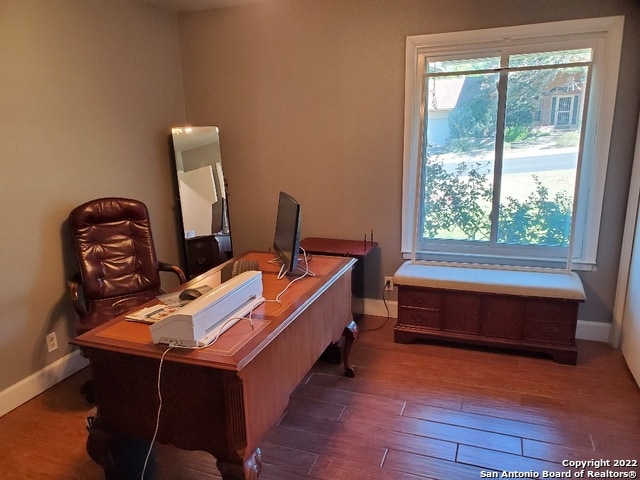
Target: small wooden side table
[344, 248]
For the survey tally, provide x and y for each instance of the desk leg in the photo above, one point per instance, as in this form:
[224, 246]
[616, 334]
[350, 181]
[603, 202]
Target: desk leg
[249, 471]
[121, 458]
[350, 335]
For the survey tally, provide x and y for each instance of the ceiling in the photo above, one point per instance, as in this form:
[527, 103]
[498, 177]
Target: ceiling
[194, 5]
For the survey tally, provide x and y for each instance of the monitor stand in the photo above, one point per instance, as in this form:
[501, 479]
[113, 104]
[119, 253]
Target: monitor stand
[302, 268]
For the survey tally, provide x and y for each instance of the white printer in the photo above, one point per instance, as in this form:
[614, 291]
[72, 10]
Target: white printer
[202, 320]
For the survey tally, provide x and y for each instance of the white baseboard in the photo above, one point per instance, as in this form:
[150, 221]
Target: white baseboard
[377, 307]
[23, 391]
[597, 331]
[585, 330]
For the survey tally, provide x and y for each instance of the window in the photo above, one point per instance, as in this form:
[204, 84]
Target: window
[506, 143]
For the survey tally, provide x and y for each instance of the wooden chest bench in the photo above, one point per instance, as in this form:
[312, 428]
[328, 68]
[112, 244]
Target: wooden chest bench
[521, 310]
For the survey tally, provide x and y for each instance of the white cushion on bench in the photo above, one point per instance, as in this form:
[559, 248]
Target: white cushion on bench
[485, 280]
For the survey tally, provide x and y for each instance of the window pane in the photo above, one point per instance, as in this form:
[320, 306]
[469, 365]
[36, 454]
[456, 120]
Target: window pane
[550, 58]
[460, 144]
[541, 141]
[462, 65]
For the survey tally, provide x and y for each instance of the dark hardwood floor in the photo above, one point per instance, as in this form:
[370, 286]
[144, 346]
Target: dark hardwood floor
[412, 412]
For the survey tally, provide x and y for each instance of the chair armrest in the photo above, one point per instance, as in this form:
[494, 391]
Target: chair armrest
[166, 267]
[74, 293]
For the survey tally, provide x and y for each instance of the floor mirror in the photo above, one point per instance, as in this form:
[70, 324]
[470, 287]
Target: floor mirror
[202, 198]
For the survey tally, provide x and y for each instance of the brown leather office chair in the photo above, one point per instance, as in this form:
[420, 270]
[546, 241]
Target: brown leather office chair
[116, 258]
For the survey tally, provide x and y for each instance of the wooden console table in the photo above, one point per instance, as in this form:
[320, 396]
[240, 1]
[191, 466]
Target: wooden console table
[223, 398]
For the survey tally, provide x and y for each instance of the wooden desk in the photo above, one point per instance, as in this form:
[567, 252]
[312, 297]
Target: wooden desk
[221, 399]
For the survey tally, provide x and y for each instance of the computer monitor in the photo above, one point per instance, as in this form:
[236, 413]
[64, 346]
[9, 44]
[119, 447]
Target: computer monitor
[286, 241]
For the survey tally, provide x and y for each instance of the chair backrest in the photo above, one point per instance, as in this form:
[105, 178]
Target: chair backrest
[114, 248]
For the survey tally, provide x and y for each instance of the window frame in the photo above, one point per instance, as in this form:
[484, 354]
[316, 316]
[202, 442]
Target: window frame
[605, 34]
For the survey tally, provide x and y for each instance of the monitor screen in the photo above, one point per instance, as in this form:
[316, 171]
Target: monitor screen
[286, 241]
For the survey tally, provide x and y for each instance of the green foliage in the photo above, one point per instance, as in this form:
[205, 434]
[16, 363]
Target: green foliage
[475, 114]
[516, 133]
[523, 94]
[568, 139]
[457, 205]
[538, 220]
[460, 145]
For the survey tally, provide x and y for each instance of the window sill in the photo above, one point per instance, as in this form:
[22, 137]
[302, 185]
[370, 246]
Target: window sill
[470, 262]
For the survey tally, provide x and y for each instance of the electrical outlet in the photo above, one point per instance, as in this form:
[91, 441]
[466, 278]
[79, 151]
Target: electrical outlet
[388, 283]
[52, 342]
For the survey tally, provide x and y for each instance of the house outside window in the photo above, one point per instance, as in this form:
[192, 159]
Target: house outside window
[506, 143]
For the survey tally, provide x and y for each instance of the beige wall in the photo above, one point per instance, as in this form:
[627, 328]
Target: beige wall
[308, 95]
[88, 93]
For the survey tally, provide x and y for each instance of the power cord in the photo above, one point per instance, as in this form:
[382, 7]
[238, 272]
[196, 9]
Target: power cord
[283, 268]
[155, 433]
[386, 306]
